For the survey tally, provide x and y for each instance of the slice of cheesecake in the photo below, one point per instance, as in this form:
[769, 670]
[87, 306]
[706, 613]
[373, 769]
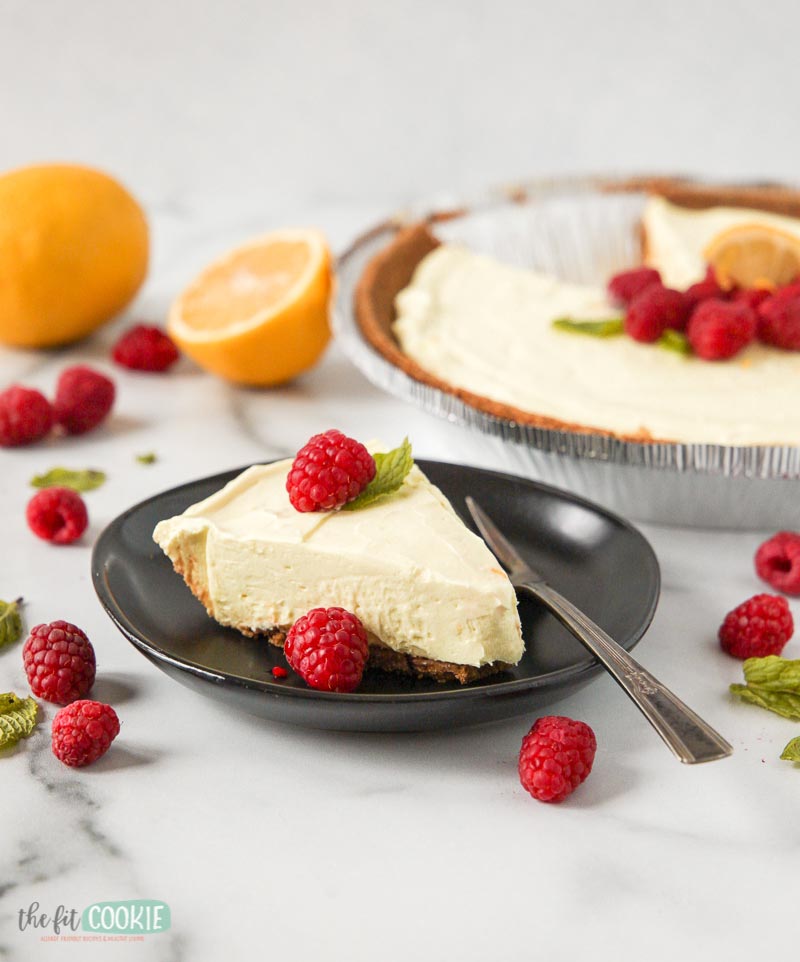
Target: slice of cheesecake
[675, 237]
[431, 595]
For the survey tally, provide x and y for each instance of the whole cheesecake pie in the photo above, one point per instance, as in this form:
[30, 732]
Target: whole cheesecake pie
[430, 594]
[482, 330]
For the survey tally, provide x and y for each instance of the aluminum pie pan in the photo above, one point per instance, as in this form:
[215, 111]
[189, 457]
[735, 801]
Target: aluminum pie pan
[692, 483]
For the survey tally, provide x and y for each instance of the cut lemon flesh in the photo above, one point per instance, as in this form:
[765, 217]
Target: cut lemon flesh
[259, 315]
[754, 255]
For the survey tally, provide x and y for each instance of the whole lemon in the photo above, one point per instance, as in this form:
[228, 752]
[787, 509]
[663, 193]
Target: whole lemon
[73, 252]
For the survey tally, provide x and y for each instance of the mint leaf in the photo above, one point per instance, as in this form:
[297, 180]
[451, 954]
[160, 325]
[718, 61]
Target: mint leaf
[773, 673]
[10, 622]
[792, 751]
[675, 341]
[782, 703]
[390, 472]
[149, 458]
[608, 328]
[772, 683]
[17, 718]
[85, 480]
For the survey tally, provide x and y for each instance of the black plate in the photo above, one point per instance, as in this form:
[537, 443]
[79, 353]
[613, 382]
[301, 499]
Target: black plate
[596, 559]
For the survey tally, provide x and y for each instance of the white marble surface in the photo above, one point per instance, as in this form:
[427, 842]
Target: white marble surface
[295, 844]
[227, 119]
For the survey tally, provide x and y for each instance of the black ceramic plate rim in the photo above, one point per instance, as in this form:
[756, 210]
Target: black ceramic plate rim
[552, 679]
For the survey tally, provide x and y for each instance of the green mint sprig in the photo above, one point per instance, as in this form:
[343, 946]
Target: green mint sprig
[670, 340]
[84, 480]
[783, 703]
[772, 683]
[391, 469]
[608, 328]
[17, 718]
[10, 622]
[675, 341]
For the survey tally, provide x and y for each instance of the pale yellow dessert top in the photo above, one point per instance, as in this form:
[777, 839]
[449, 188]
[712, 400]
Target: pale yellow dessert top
[415, 575]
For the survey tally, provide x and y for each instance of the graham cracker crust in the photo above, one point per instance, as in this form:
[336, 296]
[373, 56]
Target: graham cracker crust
[773, 198]
[386, 659]
[392, 268]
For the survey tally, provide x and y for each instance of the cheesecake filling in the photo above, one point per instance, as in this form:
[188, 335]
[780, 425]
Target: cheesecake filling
[407, 566]
[675, 237]
[486, 327]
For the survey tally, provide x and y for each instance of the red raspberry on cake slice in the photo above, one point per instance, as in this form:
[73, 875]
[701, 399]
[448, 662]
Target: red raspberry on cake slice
[719, 330]
[779, 319]
[623, 287]
[653, 311]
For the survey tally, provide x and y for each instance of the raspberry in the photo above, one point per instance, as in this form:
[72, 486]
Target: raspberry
[83, 731]
[25, 416]
[654, 310]
[704, 290]
[59, 662]
[759, 626]
[57, 514]
[779, 319]
[623, 287]
[83, 399]
[778, 562]
[752, 296]
[145, 348]
[330, 470]
[279, 673]
[719, 329]
[556, 756]
[328, 648]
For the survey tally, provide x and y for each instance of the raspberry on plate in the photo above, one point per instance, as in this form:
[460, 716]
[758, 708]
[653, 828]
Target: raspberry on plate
[779, 319]
[557, 755]
[84, 398]
[623, 287]
[25, 416]
[720, 329]
[145, 348]
[328, 471]
[328, 648]
[83, 731]
[58, 515]
[59, 662]
[778, 562]
[758, 627]
[654, 310]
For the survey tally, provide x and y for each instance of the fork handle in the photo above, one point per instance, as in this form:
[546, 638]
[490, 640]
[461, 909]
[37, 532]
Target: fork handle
[686, 734]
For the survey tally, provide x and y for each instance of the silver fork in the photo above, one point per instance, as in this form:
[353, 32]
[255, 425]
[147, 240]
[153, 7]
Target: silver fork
[686, 734]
